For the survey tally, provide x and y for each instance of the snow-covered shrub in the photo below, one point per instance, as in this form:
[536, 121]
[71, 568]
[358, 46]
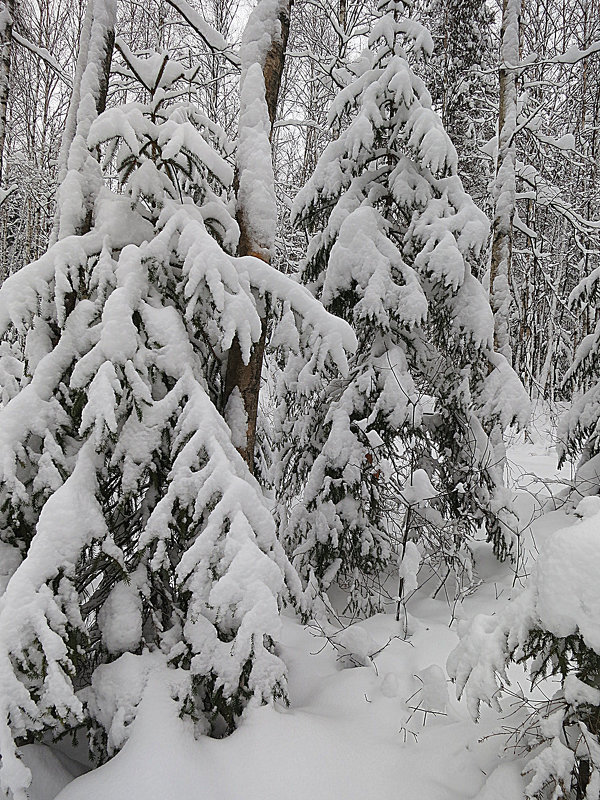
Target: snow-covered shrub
[579, 427]
[553, 626]
[141, 535]
[394, 234]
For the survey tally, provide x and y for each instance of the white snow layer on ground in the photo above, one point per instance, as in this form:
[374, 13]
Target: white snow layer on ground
[371, 715]
[349, 734]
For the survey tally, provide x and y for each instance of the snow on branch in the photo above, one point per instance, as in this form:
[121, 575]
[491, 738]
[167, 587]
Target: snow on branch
[42, 53]
[225, 280]
[207, 33]
[6, 193]
[154, 72]
[237, 545]
[330, 335]
[572, 55]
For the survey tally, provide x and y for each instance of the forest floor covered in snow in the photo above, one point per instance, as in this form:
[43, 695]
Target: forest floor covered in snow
[372, 714]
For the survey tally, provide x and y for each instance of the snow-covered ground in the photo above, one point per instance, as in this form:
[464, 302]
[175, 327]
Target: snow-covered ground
[372, 714]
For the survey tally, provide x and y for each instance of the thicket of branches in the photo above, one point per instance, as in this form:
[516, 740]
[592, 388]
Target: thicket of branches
[273, 285]
[556, 141]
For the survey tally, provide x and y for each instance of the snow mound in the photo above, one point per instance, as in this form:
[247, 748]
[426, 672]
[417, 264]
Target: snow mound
[566, 579]
[345, 735]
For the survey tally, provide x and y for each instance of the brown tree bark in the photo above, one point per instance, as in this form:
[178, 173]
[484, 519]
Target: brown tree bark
[246, 377]
[105, 71]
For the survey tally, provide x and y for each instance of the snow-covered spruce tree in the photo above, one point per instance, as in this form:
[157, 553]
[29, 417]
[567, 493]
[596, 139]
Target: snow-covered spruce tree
[396, 234]
[143, 540]
[552, 627]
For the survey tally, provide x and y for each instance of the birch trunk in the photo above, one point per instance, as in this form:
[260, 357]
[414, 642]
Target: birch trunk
[254, 240]
[6, 25]
[504, 193]
[92, 72]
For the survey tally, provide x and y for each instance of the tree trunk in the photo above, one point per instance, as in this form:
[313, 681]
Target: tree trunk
[504, 194]
[6, 25]
[343, 20]
[92, 73]
[246, 377]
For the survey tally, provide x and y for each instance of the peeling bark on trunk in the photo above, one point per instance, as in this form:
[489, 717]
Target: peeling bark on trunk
[246, 377]
[274, 62]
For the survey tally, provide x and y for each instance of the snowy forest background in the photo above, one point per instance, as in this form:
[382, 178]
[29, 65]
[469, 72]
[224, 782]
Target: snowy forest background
[299, 399]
